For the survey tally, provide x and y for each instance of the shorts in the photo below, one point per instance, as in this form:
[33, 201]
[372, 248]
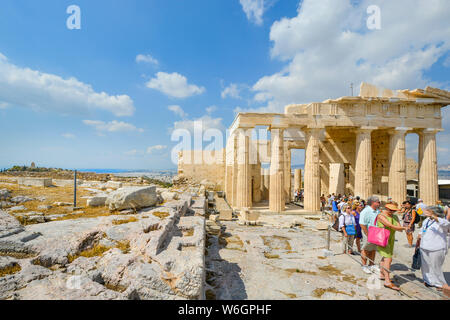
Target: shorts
[409, 230]
[367, 246]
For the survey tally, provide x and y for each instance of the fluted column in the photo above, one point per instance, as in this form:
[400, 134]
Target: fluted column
[266, 183]
[287, 173]
[276, 190]
[234, 172]
[312, 170]
[244, 187]
[363, 167]
[397, 165]
[297, 179]
[428, 172]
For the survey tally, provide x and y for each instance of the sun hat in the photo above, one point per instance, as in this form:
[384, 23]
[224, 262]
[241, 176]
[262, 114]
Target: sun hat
[392, 206]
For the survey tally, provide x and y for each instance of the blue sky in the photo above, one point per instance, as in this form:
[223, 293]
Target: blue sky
[107, 95]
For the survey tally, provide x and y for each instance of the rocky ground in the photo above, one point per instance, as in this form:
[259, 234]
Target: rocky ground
[285, 258]
[142, 242]
[133, 240]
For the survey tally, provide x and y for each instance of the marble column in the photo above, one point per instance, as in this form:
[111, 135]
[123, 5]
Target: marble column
[234, 173]
[261, 186]
[312, 170]
[276, 190]
[266, 183]
[287, 173]
[428, 172]
[363, 167]
[297, 180]
[244, 187]
[397, 165]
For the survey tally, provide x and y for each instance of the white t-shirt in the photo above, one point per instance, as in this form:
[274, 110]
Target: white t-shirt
[435, 234]
[346, 220]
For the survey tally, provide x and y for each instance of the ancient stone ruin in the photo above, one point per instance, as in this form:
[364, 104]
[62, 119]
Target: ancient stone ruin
[353, 145]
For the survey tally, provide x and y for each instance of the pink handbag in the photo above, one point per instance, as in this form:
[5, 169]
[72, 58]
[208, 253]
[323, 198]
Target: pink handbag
[378, 236]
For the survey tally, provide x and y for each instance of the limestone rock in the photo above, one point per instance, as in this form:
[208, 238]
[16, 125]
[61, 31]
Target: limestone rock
[44, 207]
[17, 208]
[97, 201]
[62, 204]
[113, 185]
[9, 225]
[132, 198]
[5, 204]
[4, 194]
[21, 199]
[167, 195]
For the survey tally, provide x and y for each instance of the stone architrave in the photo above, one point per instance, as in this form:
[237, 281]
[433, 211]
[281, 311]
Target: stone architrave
[428, 172]
[244, 187]
[276, 190]
[397, 165]
[363, 167]
[312, 170]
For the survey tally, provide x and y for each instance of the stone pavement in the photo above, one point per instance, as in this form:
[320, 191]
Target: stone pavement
[285, 259]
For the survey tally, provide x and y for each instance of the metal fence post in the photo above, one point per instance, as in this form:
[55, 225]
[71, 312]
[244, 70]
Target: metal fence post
[75, 190]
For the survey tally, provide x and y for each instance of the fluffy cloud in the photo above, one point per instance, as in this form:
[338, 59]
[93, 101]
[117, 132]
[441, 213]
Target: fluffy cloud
[254, 10]
[42, 91]
[174, 85]
[113, 126]
[231, 91]
[178, 111]
[206, 122]
[146, 59]
[211, 109]
[327, 46]
[156, 148]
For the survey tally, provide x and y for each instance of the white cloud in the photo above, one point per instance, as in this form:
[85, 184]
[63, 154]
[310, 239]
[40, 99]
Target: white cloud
[133, 152]
[113, 126]
[211, 109]
[327, 46]
[68, 135]
[4, 105]
[43, 91]
[447, 62]
[156, 148]
[146, 59]
[231, 91]
[206, 122]
[254, 10]
[174, 85]
[178, 111]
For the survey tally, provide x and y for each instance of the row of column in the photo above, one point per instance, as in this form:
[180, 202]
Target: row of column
[276, 184]
[397, 189]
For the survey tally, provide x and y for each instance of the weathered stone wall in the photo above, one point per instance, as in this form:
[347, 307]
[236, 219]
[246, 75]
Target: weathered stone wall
[203, 165]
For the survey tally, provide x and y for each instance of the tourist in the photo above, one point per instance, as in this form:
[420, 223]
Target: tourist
[322, 201]
[367, 219]
[408, 218]
[433, 245]
[389, 200]
[388, 220]
[357, 208]
[347, 220]
[420, 208]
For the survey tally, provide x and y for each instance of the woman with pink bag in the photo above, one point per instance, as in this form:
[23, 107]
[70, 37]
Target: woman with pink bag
[388, 220]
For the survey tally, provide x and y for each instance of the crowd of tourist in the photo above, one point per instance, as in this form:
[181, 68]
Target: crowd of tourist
[354, 217]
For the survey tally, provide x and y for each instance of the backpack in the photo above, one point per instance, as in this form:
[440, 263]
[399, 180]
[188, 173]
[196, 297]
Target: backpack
[417, 219]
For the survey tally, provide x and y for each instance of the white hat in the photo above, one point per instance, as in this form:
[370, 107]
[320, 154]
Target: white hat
[420, 200]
